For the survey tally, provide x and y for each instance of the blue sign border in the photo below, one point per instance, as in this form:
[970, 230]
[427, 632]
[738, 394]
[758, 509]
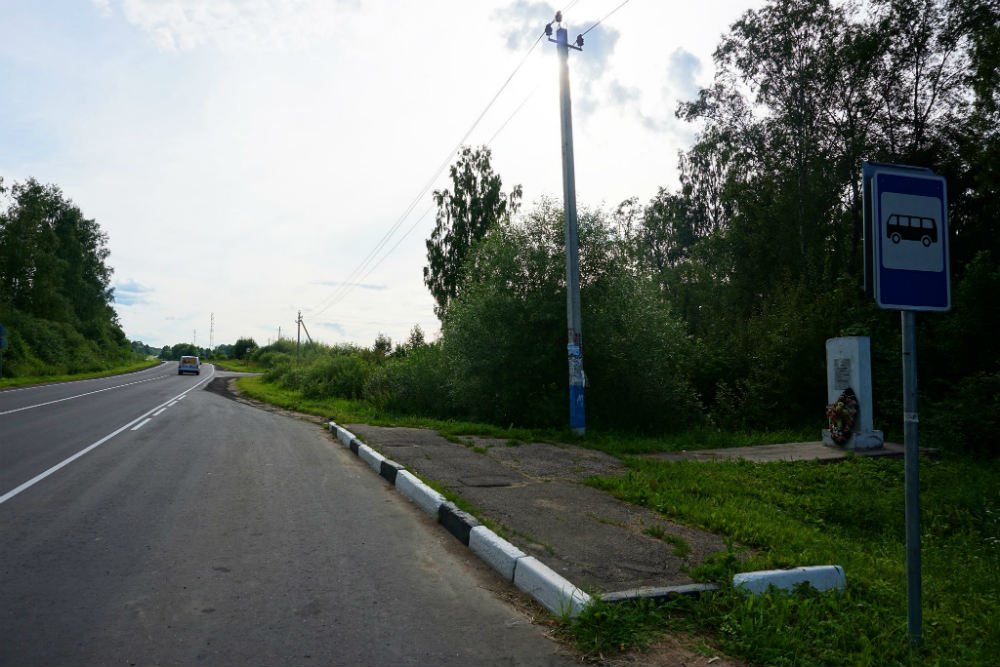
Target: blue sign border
[902, 289]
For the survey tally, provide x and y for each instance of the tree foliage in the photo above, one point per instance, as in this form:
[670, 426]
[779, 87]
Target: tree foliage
[55, 285]
[474, 205]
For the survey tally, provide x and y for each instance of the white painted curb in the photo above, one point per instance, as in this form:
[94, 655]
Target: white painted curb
[820, 577]
[371, 457]
[419, 493]
[554, 592]
[495, 551]
[345, 436]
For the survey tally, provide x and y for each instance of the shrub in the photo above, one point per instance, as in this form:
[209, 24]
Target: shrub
[418, 383]
[343, 376]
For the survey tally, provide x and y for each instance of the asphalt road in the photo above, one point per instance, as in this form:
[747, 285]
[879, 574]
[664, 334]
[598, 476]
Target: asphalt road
[216, 533]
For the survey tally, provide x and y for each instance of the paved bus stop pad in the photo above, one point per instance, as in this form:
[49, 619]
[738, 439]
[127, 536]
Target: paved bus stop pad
[534, 495]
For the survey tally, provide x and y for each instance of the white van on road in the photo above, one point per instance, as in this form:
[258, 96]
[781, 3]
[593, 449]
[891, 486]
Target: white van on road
[188, 365]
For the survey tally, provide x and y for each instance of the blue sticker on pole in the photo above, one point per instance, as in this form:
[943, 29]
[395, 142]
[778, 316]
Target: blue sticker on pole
[909, 219]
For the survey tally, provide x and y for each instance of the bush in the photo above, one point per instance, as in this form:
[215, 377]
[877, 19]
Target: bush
[505, 334]
[418, 383]
[343, 376]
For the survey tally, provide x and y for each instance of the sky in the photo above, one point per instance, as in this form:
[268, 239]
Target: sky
[246, 157]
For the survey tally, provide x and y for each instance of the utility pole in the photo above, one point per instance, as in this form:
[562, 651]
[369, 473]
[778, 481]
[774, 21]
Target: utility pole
[574, 331]
[298, 336]
[211, 334]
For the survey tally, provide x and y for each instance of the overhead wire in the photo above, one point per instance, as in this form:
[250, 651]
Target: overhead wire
[346, 286]
[605, 17]
[365, 267]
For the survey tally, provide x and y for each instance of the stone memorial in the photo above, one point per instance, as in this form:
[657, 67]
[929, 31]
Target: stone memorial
[849, 367]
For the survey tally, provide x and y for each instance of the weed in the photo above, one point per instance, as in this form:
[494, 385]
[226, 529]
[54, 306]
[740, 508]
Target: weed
[656, 531]
[681, 547]
[605, 629]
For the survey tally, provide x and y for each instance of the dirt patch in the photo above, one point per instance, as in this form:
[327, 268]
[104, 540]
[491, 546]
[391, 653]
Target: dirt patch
[225, 386]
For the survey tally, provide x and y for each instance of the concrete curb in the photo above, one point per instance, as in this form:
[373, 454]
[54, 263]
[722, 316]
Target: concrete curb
[659, 593]
[419, 493]
[548, 587]
[495, 551]
[457, 522]
[820, 577]
[371, 457]
[529, 574]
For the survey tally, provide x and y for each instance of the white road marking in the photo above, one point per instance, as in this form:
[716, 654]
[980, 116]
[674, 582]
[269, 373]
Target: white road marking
[142, 423]
[62, 464]
[172, 404]
[70, 398]
[158, 412]
[46, 385]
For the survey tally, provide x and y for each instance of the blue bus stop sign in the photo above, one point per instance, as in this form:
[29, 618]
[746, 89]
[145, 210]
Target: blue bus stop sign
[909, 237]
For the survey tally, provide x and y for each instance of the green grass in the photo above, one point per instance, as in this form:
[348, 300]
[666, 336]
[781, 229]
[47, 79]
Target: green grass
[790, 514]
[347, 411]
[237, 365]
[616, 444]
[45, 379]
[605, 629]
[849, 514]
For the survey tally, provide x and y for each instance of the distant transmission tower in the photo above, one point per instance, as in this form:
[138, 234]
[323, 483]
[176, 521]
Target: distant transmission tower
[211, 333]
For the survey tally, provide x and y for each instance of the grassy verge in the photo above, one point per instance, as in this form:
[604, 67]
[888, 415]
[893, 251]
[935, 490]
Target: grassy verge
[237, 365]
[45, 379]
[613, 443]
[792, 514]
[850, 514]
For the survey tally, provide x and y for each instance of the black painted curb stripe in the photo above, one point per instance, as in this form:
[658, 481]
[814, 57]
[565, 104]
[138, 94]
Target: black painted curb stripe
[457, 522]
[355, 443]
[389, 470]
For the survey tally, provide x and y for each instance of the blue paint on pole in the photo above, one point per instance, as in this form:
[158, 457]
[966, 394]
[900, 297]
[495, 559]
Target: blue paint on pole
[576, 413]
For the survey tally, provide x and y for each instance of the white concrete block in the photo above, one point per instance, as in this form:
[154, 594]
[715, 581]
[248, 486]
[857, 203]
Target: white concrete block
[345, 436]
[495, 551]
[820, 577]
[550, 589]
[419, 493]
[332, 426]
[371, 457]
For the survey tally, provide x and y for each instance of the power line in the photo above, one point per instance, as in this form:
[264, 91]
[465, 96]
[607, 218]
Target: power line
[605, 18]
[353, 277]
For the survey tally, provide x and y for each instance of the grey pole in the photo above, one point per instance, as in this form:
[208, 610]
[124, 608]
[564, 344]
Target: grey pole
[914, 620]
[298, 336]
[574, 347]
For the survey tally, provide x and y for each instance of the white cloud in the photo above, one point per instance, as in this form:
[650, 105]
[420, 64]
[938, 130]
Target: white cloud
[232, 25]
[244, 157]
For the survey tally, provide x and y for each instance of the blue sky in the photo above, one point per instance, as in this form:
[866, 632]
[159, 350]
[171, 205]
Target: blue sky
[245, 156]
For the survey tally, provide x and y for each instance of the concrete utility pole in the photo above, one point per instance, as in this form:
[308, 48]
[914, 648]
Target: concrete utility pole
[211, 333]
[298, 336]
[574, 348]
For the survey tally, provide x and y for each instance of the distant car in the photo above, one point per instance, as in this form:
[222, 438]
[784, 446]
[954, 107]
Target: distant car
[188, 365]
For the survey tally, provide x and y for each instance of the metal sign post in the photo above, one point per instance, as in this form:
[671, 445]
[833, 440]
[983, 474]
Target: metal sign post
[907, 269]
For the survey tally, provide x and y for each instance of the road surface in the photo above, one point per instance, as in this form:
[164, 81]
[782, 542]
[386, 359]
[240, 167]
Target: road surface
[194, 529]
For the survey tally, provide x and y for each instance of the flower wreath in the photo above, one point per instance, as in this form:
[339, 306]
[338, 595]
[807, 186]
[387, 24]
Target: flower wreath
[841, 414]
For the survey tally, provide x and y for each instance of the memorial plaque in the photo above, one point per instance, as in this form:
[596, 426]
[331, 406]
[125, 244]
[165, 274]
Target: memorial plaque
[842, 373]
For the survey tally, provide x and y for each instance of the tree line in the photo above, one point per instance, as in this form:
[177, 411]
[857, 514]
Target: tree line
[709, 304]
[55, 286]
